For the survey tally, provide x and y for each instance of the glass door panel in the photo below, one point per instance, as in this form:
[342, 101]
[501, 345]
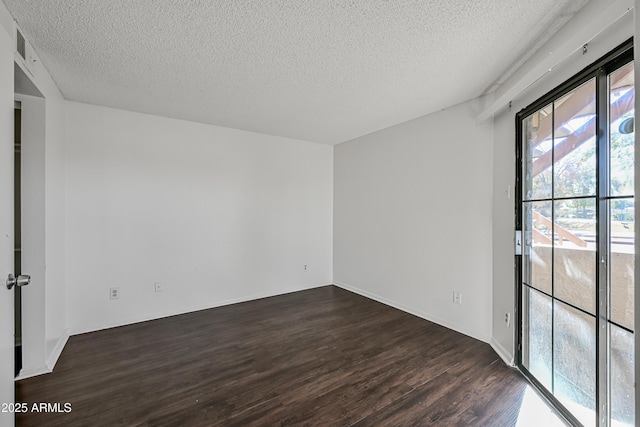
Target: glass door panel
[622, 377]
[621, 140]
[538, 351]
[537, 154]
[621, 263]
[538, 230]
[574, 361]
[621, 245]
[574, 143]
[574, 253]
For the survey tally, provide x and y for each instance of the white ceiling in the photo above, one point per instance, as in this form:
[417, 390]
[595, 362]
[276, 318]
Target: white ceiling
[319, 70]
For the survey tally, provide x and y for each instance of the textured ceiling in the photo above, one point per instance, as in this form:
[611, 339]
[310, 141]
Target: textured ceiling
[318, 70]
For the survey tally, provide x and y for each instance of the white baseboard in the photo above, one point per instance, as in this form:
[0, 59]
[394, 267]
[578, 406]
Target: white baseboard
[504, 354]
[34, 372]
[62, 340]
[130, 321]
[57, 350]
[410, 310]
[51, 361]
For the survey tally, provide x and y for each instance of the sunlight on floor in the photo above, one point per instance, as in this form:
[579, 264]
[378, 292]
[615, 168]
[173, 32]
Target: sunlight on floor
[535, 412]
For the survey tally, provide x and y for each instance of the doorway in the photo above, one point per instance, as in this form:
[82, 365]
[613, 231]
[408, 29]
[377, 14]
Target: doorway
[17, 233]
[575, 161]
[30, 185]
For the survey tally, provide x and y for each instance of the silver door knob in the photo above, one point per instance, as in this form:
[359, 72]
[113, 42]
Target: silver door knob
[21, 280]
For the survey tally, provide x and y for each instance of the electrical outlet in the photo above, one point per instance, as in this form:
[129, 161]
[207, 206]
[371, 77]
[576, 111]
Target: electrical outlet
[457, 297]
[507, 319]
[158, 286]
[306, 267]
[114, 293]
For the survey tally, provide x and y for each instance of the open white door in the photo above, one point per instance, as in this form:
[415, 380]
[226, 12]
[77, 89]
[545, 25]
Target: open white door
[7, 389]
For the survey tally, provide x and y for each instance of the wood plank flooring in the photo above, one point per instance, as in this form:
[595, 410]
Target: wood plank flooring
[324, 357]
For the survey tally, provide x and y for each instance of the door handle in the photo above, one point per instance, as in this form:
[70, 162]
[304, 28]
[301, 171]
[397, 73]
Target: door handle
[518, 242]
[21, 280]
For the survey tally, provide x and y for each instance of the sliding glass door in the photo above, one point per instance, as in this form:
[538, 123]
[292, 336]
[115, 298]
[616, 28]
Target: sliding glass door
[576, 213]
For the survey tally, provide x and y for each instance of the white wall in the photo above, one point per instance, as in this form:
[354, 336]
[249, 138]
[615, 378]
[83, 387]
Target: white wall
[412, 218]
[216, 215]
[504, 176]
[56, 332]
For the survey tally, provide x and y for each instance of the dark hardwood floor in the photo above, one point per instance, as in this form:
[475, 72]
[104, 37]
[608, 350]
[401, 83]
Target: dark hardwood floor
[323, 357]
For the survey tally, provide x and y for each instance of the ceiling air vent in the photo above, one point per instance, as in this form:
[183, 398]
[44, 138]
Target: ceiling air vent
[25, 55]
[20, 44]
